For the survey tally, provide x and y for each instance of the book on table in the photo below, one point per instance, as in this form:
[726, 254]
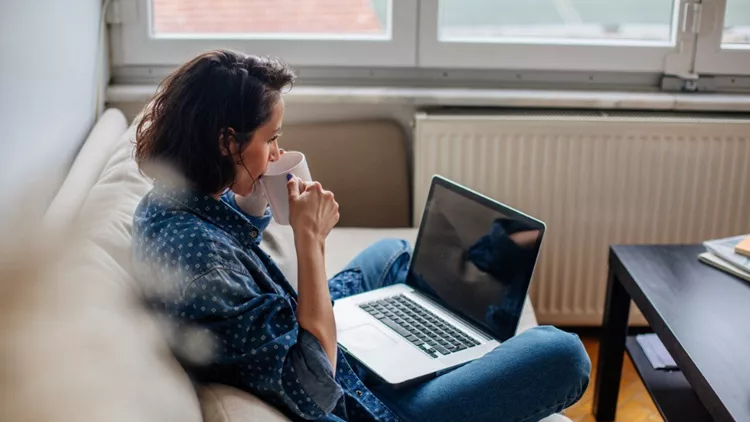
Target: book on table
[743, 248]
[720, 253]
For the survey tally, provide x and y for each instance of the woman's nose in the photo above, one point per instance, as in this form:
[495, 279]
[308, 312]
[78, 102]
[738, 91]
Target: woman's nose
[275, 154]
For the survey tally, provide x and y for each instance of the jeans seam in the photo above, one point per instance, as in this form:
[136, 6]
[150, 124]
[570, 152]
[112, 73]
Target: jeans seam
[389, 265]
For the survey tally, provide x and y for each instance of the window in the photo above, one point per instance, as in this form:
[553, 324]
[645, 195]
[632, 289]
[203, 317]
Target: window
[303, 32]
[724, 49]
[571, 35]
[555, 21]
[290, 19]
[656, 37]
[736, 32]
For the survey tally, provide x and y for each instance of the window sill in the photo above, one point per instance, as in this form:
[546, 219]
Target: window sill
[431, 97]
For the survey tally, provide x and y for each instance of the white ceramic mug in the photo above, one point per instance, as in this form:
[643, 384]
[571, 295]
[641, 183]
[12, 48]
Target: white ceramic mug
[275, 180]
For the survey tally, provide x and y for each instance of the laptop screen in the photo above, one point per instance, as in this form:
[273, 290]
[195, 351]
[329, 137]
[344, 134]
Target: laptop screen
[476, 256]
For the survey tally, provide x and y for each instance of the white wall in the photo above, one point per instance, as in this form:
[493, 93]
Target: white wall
[47, 85]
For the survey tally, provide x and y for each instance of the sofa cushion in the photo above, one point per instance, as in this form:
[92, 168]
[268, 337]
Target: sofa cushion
[222, 403]
[342, 245]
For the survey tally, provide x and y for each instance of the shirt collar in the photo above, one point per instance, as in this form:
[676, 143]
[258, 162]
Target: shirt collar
[213, 210]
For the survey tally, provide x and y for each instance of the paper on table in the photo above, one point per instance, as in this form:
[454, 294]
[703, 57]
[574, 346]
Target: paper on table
[724, 249]
[716, 262]
[655, 351]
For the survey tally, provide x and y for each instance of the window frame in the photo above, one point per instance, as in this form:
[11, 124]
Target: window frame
[710, 57]
[133, 44]
[694, 52]
[570, 55]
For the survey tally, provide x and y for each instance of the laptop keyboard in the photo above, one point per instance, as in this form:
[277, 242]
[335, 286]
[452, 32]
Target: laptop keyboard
[419, 326]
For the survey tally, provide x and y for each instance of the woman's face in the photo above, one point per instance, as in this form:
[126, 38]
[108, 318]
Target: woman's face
[262, 149]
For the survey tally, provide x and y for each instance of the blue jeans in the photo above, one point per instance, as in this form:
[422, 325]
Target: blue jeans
[532, 375]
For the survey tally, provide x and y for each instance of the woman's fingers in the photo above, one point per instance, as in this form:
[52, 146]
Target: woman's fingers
[294, 187]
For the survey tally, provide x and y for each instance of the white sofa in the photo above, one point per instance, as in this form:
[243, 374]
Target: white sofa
[77, 343]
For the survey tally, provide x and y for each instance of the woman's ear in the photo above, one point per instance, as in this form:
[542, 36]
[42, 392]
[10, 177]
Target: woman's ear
[227, 142]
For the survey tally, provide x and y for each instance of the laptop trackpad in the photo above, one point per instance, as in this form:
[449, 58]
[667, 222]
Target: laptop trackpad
[365, 337]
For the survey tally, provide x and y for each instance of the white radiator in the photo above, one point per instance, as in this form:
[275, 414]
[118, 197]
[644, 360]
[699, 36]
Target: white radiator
[596, 179]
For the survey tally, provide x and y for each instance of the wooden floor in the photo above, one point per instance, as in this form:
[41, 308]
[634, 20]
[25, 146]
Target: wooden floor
[633, 404]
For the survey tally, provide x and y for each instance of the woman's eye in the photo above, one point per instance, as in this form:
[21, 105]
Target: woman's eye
[274, 139]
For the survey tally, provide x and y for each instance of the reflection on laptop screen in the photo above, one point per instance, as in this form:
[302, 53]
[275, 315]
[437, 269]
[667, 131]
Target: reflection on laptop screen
[476, 259]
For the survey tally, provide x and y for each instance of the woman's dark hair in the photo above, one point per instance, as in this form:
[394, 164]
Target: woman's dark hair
[187, 122]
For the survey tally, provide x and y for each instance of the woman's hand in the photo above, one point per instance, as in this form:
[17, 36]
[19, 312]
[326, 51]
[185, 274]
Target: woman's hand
[312, 209]
[312, 214]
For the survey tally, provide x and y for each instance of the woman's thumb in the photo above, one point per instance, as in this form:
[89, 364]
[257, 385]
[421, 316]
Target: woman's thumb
[292, 185]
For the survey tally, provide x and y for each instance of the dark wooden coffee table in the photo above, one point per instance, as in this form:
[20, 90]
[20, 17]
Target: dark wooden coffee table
[702, 316]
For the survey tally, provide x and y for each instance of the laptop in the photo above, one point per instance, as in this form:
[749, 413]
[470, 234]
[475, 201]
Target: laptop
[468, 278]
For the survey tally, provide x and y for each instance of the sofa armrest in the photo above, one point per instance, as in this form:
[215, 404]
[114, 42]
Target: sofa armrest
[96, 151]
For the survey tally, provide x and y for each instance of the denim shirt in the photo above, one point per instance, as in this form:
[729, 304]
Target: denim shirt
[203, 258]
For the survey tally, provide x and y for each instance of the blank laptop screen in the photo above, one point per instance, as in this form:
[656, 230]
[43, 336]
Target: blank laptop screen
[477, 257]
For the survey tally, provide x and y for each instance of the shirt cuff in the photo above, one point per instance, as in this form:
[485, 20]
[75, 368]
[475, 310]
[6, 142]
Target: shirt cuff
[315, 373]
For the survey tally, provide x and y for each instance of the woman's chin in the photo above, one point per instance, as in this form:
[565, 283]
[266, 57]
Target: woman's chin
[249, 191]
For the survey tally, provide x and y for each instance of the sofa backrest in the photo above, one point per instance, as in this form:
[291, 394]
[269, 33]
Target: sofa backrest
[364, 163]
[82, 345]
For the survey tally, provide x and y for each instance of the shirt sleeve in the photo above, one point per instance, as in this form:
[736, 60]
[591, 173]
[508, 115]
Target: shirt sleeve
[258, 345]
[261, 223]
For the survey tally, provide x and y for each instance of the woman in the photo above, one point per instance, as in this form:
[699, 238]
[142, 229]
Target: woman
[216, 121]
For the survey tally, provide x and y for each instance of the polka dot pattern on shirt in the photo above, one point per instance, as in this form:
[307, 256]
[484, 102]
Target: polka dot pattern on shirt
[200, 262]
